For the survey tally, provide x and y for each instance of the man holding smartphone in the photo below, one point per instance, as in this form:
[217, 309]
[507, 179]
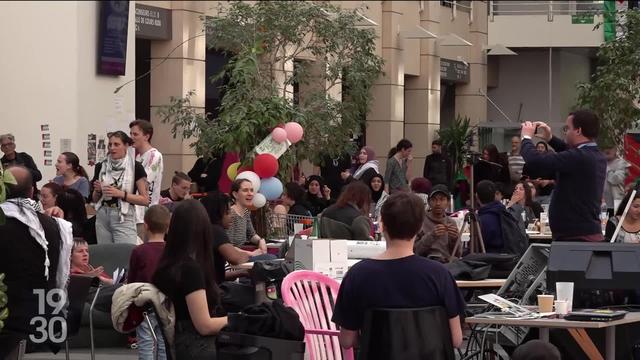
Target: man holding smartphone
[579, 169]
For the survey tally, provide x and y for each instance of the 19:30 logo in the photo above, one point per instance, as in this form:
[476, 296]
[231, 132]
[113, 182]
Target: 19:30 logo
[49, 328]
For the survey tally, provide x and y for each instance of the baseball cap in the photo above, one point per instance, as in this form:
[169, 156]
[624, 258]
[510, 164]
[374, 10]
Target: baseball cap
[443, 189]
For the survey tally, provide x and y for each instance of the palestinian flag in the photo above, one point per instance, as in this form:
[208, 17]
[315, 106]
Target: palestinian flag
[613, 16]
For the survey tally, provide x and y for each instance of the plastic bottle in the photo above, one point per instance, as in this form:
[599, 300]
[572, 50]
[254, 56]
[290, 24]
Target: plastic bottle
[315, 233]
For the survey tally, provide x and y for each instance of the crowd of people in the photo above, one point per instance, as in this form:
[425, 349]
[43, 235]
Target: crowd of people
[184, 243]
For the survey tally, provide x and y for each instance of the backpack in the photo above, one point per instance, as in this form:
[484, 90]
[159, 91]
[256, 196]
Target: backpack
[514, 233]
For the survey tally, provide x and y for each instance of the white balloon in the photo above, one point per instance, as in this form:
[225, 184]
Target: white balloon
[251, 176]
[259, 200]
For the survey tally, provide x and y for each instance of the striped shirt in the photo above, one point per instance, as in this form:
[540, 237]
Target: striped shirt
[516, 163]
[241, 230]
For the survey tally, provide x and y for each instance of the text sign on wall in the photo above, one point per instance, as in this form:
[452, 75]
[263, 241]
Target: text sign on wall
[153, 23]
[455, 71]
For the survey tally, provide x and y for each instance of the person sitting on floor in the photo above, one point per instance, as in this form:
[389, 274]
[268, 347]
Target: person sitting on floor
[439, 232]
[402, 279]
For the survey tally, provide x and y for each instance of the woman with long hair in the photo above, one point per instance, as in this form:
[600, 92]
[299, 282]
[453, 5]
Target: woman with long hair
[522, 196]
[378, 195]
[242, 230]
[396, 175]
[70, 174]
[122, 182]
[318, 195]
[348, 218]
[72, 204]
[48, 195]
[630, 230]
[185, 274]
[492, 166]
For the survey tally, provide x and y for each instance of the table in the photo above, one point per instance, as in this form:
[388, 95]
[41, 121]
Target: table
[536, 236]
[486, 283]
[575, 328]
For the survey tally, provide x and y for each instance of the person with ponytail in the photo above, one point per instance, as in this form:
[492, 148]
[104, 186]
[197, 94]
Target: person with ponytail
[70, 174]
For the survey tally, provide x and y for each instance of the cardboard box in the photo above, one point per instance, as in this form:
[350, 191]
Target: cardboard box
[339, 251]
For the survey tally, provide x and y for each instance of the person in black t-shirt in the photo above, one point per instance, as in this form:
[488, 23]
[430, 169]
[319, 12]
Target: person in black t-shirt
[185, 274]
[179, 190]
[217, 205]
[121, 183]
[402, 279]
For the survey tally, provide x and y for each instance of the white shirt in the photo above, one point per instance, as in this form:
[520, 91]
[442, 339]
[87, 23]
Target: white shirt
[152, 162]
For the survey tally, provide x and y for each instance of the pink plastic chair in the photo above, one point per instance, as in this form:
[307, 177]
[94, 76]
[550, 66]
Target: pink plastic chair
[306, 292]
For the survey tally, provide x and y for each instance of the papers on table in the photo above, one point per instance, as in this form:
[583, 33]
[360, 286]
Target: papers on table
[507, 306]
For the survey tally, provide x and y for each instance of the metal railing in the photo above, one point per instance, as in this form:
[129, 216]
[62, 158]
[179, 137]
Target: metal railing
[549, 8]
[458, 5]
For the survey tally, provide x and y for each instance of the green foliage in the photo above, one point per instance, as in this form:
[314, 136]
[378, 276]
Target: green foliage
[262, 41]
[5, 178]
[456, 142]
[616, 83]
[4, 311]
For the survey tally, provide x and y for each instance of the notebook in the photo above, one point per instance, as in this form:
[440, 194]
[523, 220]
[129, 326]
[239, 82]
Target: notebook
[595, 315]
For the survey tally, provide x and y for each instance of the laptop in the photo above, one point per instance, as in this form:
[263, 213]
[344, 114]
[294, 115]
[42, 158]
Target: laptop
[596, 315]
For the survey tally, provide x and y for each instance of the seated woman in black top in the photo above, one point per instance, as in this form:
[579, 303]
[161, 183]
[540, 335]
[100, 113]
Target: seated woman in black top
[72, 204]
[185, 274]
[293, 198]
[218, 205]
[403, 280]
[318, 195]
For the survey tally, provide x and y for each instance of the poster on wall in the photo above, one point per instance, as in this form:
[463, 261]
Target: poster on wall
[46, 144]
[65, 145]
[91, 149]
[112, 37]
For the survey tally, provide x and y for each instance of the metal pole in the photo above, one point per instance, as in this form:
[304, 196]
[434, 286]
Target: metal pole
[550, 83]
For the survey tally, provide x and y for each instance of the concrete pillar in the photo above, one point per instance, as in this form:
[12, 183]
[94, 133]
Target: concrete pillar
[183, 71]
[469, 101]
[385, 121]
[422, 93]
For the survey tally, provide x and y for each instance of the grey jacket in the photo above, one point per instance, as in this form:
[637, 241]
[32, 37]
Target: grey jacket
[614, 183]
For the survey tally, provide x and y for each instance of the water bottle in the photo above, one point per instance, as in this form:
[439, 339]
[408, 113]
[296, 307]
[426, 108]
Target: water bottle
[315, 232]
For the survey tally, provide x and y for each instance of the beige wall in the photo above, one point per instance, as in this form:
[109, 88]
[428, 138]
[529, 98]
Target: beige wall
[49, 77]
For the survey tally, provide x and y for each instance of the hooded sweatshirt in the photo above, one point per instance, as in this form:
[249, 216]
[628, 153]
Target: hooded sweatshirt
[430, 245]
[490, 226]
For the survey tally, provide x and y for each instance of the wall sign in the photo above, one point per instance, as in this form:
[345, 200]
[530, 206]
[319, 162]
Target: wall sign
[112, 48]
[153, 23]
[454, 71]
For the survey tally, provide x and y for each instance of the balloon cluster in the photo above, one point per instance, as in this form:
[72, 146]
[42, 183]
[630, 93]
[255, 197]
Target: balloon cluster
[265, 166]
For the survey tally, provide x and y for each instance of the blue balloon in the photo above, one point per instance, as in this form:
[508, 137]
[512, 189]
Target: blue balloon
[271, 188]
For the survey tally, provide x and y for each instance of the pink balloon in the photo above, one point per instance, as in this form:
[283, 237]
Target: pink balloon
[294, 131]
[279, 135]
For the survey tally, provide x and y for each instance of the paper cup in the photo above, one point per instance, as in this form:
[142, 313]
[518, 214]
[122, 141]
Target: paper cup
[545, 303]
[564, 291]
[105, 197]
[561, 307]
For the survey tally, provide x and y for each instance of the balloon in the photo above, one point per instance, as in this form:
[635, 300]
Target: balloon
[251, 176]
[265, 165]
[279, 135]
[259, 200]
[271, 188]
[232, 171]
[294, 131]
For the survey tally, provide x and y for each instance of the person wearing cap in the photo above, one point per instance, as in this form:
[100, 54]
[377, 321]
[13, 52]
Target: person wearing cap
[439, 232]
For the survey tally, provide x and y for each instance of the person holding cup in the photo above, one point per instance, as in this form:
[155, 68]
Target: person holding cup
[122, 182]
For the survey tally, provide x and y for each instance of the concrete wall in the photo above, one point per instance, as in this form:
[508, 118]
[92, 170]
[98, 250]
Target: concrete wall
[524, 79]
[49, 77]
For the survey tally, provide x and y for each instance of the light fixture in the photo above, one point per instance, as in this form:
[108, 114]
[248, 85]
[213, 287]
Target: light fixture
[498, 49]
[416, 32]
[453, 40]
